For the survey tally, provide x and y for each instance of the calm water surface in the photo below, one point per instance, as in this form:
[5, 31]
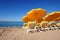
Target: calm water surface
[11, 23]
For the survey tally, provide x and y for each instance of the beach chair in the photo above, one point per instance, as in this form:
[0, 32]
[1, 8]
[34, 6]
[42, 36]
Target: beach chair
[52, 25]
[55, 27]
[24, 27]
[47, 28]
[42, 29]
[37, 28]
[31, 26]
[52, 28]
[43, 25]
[58, 26]
[30, 30]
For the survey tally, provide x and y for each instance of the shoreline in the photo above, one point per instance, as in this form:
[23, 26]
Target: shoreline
[11, 27]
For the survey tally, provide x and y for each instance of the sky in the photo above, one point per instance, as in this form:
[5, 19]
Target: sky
[14, 10]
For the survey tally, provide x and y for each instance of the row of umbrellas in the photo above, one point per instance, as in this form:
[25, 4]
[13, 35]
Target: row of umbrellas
[39, 15]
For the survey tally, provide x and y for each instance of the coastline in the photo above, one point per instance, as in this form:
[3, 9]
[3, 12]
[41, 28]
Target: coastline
[11, 27]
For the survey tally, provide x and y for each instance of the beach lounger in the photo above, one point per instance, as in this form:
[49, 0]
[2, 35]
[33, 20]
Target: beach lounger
[58, 28]
[42, 29]
[30, 30]
[47, 29]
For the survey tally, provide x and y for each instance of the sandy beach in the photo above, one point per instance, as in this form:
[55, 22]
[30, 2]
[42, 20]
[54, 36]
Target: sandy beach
[19, 34]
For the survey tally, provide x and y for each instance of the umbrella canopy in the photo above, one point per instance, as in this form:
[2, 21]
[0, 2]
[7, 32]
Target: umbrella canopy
[57, 19]
[39, 20]
[52, 16]
[25, 19]
[36, 14]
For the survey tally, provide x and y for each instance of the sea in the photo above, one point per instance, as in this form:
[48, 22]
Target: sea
[11, 24]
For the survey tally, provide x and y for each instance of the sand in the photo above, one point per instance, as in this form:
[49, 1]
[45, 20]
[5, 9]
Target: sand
[19, 34]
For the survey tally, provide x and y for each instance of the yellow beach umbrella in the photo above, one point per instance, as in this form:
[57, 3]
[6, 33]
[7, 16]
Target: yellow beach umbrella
[36, 14]
[57, 19]
[39, 20]
[52, 16]
[25, 19]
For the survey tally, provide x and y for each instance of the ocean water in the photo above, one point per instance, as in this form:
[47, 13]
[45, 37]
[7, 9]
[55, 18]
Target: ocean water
[11, 23]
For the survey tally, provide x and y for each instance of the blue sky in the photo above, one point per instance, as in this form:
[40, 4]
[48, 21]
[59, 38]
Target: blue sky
[14, 10]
